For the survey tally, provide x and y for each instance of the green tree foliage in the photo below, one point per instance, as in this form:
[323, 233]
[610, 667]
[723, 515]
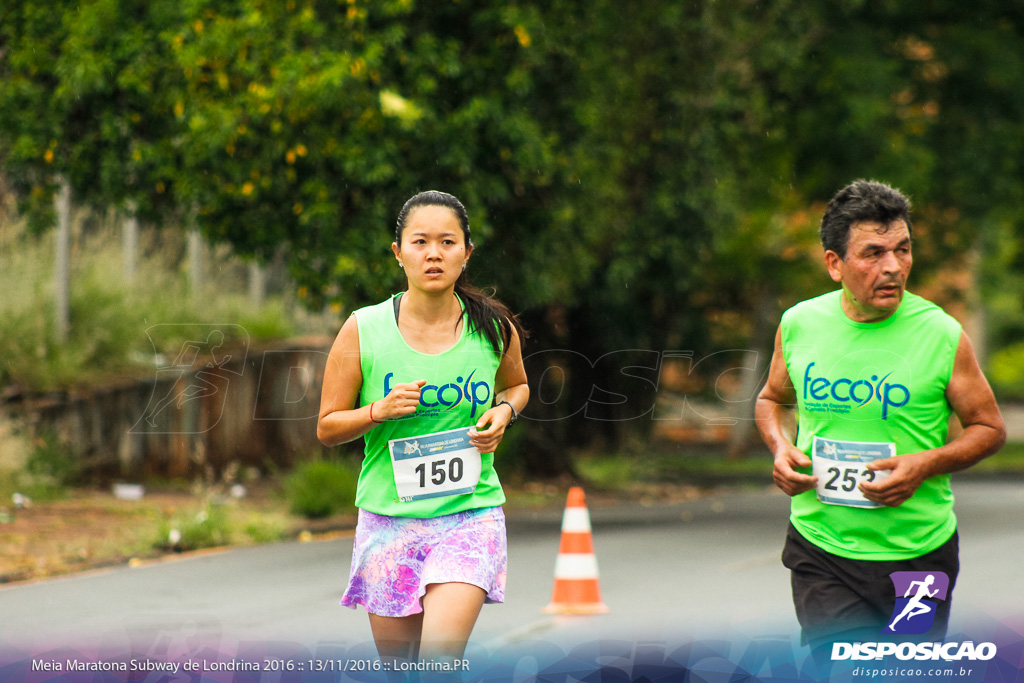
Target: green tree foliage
[31, 37]
[674, 209]
[86, 93]
[310, 123]
[638, 177]
[928, 97]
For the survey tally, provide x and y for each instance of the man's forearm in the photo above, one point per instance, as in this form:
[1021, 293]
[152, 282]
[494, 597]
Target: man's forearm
[776, 422]
[975, 443]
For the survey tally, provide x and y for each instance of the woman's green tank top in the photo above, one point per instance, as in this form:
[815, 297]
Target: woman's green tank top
[459, 389]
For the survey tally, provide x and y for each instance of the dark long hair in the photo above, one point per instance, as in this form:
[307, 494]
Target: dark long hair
[486, 314]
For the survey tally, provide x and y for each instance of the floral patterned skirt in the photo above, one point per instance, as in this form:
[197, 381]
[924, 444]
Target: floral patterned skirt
[396, 558]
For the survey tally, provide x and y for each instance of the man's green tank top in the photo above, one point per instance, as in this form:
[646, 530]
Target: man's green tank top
[459, 389]
[883, 382]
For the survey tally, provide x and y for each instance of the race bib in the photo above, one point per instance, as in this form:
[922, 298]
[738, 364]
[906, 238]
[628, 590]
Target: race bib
[435, 465]
[841, 465]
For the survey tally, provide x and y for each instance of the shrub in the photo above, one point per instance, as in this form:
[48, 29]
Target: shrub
[320, 488]
[49, 470]
[207, 529]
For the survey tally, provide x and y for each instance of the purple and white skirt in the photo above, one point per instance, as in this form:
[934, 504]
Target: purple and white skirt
[396, 558]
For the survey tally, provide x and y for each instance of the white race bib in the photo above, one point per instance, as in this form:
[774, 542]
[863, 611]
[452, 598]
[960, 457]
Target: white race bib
[434, 465]
[841, 465]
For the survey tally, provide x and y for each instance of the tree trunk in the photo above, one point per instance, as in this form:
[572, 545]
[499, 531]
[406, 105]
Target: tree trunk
[130, 242]
[976, 321]
[196, 261]
[257, 284]
[62, 262]
[758, 358]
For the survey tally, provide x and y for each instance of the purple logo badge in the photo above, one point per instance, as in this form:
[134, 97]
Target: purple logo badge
[917, 597]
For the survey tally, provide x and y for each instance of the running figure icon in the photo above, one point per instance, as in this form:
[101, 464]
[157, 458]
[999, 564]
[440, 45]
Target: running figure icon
[199, 386]
[209, 356]
[915, 606]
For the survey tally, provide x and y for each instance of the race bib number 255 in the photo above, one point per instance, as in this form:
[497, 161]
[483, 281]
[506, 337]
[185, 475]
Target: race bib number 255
[434, 465]
[841, 466]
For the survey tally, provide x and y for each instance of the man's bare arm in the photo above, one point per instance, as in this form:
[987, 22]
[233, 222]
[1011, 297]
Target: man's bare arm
[776, 420]
[984, 433]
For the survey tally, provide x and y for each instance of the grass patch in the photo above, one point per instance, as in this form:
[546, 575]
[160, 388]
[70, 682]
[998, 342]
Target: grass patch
[535, 494]
[705, 467]
[262, 529]
[613, 472]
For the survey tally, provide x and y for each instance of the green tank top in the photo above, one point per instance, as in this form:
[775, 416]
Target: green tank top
[459, 389]
[877, 382]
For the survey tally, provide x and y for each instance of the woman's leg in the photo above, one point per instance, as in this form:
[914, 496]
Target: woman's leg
[449, 613]
[397, 638]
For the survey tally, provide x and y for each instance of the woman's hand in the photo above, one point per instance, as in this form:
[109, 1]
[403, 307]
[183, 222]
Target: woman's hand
[486, 434]
[403, 399]
[511, 393]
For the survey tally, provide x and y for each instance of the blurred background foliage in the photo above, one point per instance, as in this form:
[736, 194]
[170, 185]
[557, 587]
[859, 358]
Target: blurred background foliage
[643, 176]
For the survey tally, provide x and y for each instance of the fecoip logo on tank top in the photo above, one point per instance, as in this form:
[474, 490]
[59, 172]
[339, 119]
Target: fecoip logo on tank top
[844, 395]
[442, 398]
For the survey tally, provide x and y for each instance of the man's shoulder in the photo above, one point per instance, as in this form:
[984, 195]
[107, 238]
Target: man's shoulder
[915, 302]
[913, 308]
[920, 311]
[824, 304]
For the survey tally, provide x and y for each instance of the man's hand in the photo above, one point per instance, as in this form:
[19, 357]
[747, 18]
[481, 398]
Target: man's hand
[906, 474]
[787, 459]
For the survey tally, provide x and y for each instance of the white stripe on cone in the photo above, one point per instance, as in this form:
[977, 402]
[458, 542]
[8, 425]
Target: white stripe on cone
[576, 520]
[576, 566]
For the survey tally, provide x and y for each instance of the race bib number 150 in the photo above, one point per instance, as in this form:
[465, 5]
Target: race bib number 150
[434, 465]
[841, 466]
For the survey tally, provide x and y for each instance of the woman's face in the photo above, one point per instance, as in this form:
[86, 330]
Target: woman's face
[433, 249]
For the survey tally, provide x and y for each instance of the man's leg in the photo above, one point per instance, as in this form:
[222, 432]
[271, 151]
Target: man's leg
[830, 604]
[842, 599]
[946, 559]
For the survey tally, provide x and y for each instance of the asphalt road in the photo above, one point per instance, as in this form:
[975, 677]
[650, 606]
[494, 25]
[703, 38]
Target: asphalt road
[669, 573]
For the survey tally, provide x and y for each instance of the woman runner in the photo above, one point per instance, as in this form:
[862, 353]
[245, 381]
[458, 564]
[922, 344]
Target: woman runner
[437, 371]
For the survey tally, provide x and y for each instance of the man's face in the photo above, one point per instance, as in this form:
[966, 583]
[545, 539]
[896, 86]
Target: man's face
[874, 272]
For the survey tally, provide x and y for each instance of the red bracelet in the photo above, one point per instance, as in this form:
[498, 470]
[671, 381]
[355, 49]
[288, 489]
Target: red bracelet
[380, 422]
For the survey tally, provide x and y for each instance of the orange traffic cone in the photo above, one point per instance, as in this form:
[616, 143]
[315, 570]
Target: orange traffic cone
[576, 590]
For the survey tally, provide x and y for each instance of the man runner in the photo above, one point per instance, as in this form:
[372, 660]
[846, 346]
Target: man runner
[874, 373]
